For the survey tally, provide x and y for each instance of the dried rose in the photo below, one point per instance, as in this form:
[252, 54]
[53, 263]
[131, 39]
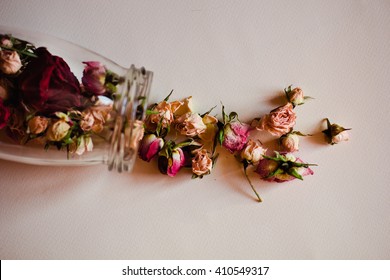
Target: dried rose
[4, 114]
[94, 77]
[335, 133]
[57, 130]
[4, 89]
[252, 152]
[202, 163]
[37, 125]
[84, 144]
[94, 118]
[48, 85]
[9, 62]
[279, 121]
[190, 124]
[150, 146]
[289, 142]
[283, 168]
[161, 114]
[209, 133]
[172, 158]
[295, 96]
[235, 136]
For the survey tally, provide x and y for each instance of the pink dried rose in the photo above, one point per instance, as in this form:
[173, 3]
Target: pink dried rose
[235, 136]
[150, 146]
[94, 77]
[190, 124]
[282, 168]
[5, 114]
[5, 42]
[279, 121]
[37, 125]
[335, 133]
[171, 158]
[202, 163]
[10, 62]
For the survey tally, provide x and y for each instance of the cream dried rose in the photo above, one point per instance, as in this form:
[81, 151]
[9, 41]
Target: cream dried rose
[190, 124]
[290, 142]
[37, 125]
[279, 121]
[252, 152]
[57, 130]
[10, 62]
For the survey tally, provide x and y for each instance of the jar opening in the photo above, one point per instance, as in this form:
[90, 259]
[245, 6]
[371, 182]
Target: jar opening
[130, 111]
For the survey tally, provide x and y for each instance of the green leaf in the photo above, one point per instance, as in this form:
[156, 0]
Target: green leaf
[293, 172]
[169, 95]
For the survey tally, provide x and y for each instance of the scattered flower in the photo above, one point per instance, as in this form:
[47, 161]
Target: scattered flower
[295, 96]
[202, 163]
[150, 146]
[335, 133]
[251, 155]
[290, 142]
[279, 121]
[190, 124]
[4, 89]
[171, 158]
[283, 168]
[233, 134]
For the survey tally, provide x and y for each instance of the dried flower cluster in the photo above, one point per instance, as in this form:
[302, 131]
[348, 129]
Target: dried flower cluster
[41, 100]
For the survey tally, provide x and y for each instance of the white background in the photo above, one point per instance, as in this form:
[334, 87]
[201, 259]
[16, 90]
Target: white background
[241, 53]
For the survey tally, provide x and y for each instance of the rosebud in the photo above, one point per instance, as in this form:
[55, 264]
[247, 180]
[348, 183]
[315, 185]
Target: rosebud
[335, 133]
[150, 146]
[282, 168]
[57, 130]
[37, 125]
[252, 152]
[235, 136]
[290, 142]
[94, 77]
[202, 163]
[171, 158]
[9, 62]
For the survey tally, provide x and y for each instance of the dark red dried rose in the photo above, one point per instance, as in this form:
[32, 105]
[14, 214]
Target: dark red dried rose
[4, 114]
[48, 85]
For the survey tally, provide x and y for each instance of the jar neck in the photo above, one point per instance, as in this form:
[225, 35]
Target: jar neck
[130, 113]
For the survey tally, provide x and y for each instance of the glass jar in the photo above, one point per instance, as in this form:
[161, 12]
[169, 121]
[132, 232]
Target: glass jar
[65, 105]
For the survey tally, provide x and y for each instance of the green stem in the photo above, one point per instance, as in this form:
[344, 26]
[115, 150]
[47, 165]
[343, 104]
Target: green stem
[250, 183]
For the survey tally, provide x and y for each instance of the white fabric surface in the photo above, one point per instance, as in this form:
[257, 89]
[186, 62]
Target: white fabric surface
[241, 53]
